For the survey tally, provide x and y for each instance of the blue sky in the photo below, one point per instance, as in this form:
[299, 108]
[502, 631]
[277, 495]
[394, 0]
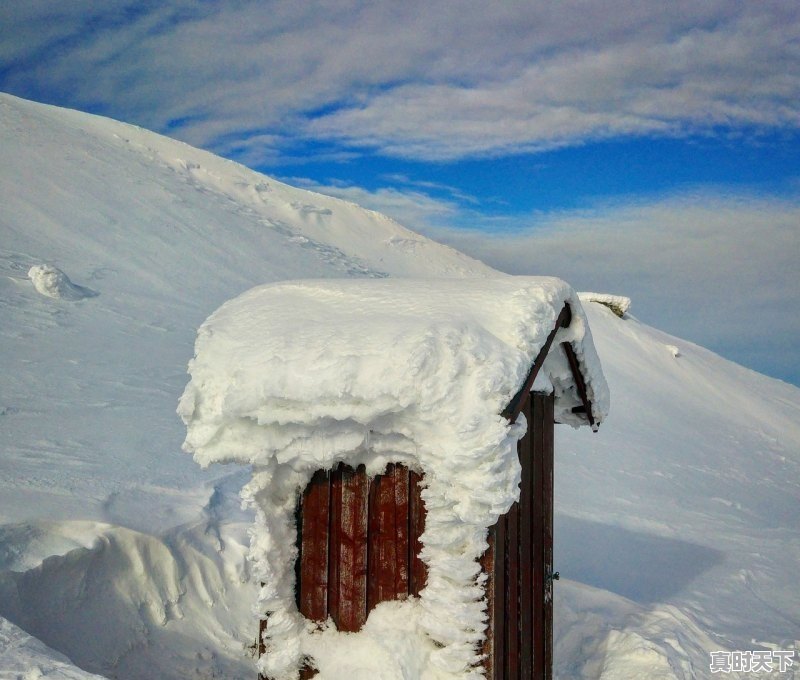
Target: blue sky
[583, 175]
[643, 148]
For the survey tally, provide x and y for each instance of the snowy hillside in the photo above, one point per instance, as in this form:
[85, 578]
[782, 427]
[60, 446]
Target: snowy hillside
[677, 525]
[683, 513]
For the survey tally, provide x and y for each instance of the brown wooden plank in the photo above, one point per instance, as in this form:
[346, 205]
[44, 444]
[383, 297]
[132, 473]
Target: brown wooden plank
[498, 623]
[487, 566]
[518, 401]
[401, 530]
[349, 528]
[314, 525]
[526, 550]
[418, 576]
[382, 555]
[512, 593]
[548, 497]
[352, 585]
[335, 542]
[538, 432]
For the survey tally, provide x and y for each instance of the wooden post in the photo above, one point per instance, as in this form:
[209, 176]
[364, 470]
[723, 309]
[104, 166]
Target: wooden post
[527, 501]
[548, 468]
[540, 503]
[487, 566]
[519, 639]
[389, 520]
[314, 532]
[498, 605]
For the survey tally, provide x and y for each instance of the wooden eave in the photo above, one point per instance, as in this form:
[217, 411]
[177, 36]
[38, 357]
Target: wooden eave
[519, 400]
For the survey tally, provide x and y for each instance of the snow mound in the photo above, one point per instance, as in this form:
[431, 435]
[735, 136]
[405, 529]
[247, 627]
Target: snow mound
[51, 282]
[619, 304]
[299, 376]
[124, 606]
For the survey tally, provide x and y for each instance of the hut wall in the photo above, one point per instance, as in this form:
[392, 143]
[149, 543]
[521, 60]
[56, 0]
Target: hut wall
[519, 562]
[358, 542]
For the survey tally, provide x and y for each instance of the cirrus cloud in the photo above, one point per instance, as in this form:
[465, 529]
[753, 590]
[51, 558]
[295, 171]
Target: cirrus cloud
[429, 80]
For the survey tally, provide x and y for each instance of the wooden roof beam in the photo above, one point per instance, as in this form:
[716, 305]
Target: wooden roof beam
[518, 401]
[580, 384]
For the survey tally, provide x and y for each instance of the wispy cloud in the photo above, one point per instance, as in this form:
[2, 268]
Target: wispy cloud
[430, 80]
[663, 78]
[412, 207]
[454, 192]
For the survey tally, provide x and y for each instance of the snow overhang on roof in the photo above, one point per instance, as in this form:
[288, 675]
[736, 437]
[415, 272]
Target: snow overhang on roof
[339, 356]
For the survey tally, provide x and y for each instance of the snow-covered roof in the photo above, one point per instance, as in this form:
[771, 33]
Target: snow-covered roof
[339, 356]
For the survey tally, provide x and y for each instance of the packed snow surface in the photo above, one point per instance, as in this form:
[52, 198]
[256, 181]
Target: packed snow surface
[677, 525]
[299, 376]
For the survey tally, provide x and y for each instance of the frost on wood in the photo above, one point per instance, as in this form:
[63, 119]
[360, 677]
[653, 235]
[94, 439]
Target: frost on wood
[299, 376]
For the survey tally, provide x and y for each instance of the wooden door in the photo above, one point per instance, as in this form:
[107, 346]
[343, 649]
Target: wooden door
[358, 544]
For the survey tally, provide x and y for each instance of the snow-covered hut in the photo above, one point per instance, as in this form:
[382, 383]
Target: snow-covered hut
[400, 434]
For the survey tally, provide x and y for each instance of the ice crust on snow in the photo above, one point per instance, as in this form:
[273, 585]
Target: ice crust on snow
[299, 376]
